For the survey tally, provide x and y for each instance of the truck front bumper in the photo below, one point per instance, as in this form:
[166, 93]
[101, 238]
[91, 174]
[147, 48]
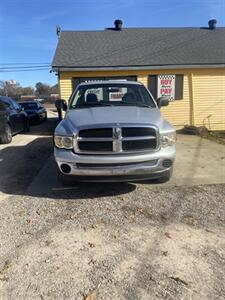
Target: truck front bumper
[121, 167]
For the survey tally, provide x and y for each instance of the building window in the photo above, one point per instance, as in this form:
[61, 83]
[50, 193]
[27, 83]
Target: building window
[166, 84]
[77, 80]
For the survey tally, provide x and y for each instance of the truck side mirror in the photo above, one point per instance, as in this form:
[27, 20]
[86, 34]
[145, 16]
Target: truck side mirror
[163, 101]
[61, 104]
[64, 105]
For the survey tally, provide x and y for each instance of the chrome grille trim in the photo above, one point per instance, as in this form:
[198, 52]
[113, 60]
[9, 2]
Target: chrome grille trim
[117, 139]
[135, 138]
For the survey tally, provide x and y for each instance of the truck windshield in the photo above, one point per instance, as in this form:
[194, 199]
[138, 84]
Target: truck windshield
[120, 94]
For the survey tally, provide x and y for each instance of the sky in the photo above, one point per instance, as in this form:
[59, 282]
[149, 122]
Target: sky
[28, 27]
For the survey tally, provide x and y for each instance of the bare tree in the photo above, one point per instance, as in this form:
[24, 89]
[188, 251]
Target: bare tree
[55, 89]
[42, 88]
[14, 90]
[27, 90]
[3, 91]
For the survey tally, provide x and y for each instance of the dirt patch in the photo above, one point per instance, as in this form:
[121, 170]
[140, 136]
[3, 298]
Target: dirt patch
[147, 244]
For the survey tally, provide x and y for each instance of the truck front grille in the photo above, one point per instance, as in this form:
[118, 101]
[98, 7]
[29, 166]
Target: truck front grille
[96, 132]
[95, 146]
[114, 140]
[139, 145]
[138, 131]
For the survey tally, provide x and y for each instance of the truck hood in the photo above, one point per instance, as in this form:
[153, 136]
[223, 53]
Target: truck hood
[113, 115]
[117, 115]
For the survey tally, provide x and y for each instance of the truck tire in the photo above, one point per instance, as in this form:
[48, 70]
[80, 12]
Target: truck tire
[7, 136]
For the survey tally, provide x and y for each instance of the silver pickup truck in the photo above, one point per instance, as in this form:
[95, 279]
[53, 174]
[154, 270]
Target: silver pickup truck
[114, 131]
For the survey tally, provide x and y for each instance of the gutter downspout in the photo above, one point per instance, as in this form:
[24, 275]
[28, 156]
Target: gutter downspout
[191, 96]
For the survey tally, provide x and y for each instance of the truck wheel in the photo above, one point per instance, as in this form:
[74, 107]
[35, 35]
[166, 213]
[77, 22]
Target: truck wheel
[7, 136]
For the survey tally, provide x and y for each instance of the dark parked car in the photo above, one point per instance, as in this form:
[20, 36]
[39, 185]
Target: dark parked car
[35, 110]
[13, 119]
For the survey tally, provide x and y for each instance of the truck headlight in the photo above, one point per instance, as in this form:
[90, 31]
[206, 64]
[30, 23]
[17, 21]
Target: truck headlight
[63, 142]
[167, 139]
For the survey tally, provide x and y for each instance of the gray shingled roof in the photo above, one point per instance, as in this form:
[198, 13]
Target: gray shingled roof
[140, 47]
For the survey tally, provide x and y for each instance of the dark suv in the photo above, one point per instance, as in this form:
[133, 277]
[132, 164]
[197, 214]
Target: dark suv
[35, 111]
[13, 119]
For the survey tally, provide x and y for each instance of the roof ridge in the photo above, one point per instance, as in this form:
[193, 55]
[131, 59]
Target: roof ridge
[137, 28]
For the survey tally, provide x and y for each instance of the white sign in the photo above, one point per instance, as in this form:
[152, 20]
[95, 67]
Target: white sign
[166, 86]
[118, 95]
[115, 96]
[98, 92]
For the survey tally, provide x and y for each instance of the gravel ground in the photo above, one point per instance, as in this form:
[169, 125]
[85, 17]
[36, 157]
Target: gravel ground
[105, 241]
[120, 241]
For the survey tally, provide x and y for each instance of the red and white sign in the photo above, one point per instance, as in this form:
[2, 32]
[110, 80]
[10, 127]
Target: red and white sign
[166, 86]
[115, 96]
[118, 95]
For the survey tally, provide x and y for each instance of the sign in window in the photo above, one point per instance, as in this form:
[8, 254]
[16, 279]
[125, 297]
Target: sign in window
[116, 94]
[166, 86]
[98, 92]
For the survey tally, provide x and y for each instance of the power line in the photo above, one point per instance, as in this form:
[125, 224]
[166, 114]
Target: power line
[24, 67]
[26, 63]
[25, 70]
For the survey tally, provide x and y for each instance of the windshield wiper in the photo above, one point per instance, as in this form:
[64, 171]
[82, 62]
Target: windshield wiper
[83, 105]
[134, 104]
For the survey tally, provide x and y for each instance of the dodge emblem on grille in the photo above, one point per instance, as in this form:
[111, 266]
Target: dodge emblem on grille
[117, 139]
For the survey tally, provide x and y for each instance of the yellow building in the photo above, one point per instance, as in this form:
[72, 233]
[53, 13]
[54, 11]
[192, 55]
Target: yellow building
[193, 59]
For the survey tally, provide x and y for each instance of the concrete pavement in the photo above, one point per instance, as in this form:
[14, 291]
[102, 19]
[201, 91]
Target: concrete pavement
[199, 161]
[27, 165]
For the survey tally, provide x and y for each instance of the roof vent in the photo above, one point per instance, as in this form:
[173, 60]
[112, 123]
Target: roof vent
[118, 25]
[58, 31]
[212, 24]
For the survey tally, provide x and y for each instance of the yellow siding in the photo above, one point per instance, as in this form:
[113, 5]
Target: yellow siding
[143, 78]
[206, 87]
[65, 85]
[209, 95]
